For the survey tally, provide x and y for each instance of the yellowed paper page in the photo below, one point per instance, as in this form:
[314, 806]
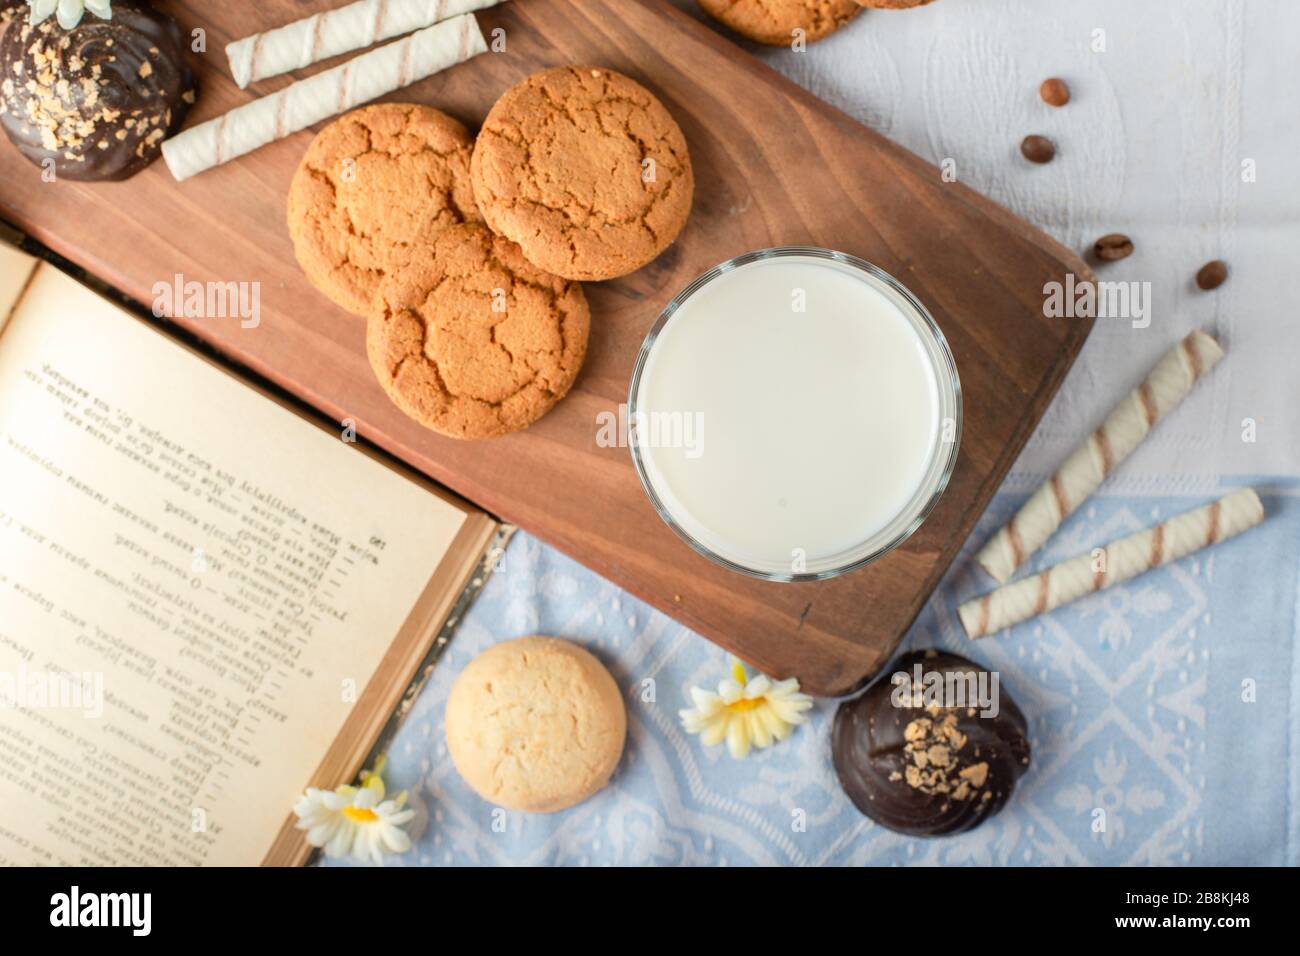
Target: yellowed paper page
[15, 270]
[195, 587]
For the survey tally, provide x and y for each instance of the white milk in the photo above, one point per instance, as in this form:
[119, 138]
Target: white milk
[797, 432]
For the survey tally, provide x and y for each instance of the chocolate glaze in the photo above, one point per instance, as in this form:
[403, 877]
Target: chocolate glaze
[883, 754]
[98, 99]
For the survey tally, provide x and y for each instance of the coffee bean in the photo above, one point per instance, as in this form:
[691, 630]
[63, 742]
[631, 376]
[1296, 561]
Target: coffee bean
[1212, 275]
[1055, 92]
[1038, 149]
[1111, 247]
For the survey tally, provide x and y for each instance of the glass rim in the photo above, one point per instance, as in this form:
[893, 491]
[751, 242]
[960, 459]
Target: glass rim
[938, 473]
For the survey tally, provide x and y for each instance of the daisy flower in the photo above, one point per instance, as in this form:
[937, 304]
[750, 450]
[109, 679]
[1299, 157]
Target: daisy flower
[355, 821]
[746, 712]
[69, 12]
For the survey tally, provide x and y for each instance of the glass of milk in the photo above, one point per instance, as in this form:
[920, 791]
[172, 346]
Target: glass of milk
[795, 413]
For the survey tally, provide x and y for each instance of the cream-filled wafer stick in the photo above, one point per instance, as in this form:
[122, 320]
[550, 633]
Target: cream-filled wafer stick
[323, 35]
[327, 94]
[1129, 422]
[1118, 561]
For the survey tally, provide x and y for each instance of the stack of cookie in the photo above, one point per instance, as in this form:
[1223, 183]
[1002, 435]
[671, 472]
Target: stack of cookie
[465, 257]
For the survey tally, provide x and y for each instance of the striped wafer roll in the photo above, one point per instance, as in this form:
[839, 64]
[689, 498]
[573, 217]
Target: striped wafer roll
[323, 35]
[1085, 469]
[1118, 561]
[327, 94]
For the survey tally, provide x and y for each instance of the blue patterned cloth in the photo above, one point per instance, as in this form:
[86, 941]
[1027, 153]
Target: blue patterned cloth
[1135, 699]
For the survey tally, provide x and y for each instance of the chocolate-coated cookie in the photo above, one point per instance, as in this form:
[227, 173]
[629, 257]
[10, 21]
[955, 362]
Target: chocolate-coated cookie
[925, 755]
[100, 98]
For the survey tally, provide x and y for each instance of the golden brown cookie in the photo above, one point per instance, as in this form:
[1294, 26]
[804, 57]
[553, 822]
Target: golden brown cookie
[773, 22]
[586, 170]
[374, 183]
[893, 4]
[535, 724]
[469, 339]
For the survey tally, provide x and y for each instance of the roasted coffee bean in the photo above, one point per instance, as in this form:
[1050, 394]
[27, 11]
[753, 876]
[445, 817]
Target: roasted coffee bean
[1055, 92]
[1112, 247]
[1212, 275]
[1038, 149]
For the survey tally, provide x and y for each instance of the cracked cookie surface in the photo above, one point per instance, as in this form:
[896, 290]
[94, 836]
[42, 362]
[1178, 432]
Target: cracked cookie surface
[374, 184]
[586, 170]
[773, 22]
[472, 341]
[535, 724]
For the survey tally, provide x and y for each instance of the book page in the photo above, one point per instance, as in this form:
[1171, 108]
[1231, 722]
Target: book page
[196, 586]
[16, 269]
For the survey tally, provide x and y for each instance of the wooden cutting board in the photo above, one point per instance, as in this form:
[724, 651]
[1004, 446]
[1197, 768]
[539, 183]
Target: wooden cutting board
[773, 165]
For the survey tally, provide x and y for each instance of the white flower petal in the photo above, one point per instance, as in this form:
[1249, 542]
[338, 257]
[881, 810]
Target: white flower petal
[692, 722]
[340, 841]
[790, 713]
[374, 845]
[396, 840]
[69, 13]
[705, 701]
[42, 9]
[309, 820]
[359, 845]
[714, 733]
[780, 728]
[758, 729]
[333, 800]
[730, 691]
[323, 832]
[738, 740]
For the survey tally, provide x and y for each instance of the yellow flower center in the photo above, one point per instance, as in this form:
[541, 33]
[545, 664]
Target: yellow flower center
[741, 678]
[360, 814]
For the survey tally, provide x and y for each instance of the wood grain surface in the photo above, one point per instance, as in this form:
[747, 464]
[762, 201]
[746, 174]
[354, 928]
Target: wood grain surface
[774, 166]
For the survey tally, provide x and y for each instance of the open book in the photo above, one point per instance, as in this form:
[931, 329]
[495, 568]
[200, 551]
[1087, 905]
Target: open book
[208, 602]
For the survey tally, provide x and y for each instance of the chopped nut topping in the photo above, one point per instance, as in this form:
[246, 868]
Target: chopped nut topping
[64, 100]
[933, 745]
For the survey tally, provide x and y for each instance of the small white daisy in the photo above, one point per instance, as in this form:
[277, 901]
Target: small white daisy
[746, 712]
[355, 821]
[69, 12]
